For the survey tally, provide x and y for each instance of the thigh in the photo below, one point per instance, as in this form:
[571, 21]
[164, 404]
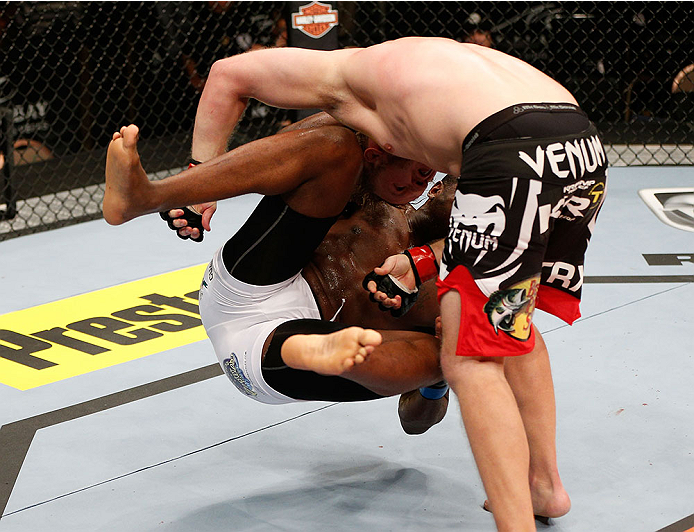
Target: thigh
[493, 259]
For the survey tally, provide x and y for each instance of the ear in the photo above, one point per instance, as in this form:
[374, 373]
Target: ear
[436, 189]
[373, 154]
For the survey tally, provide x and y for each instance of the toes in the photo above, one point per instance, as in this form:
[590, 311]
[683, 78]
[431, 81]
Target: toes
[369, 337]
[130, 134]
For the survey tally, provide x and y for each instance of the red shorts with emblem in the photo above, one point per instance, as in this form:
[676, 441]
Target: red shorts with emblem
[523, 215]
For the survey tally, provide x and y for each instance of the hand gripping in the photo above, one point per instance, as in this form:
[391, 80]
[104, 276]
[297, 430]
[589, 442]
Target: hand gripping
[391, 287]
[193, 218]
[190, 215]
[424, 267]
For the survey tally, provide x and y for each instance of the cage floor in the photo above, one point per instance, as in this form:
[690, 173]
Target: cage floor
[164, 442]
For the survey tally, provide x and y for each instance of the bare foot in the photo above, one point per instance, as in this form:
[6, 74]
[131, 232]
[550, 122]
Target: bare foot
[418, 414]
[330, 354]
[546, 505]
[126, 180]
[548, 501]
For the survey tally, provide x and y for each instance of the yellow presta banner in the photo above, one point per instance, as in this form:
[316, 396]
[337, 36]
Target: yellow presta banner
[73, 336]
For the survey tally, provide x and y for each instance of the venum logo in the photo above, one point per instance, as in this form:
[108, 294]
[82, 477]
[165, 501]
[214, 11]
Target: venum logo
[237, 376]
[485, 215]
[571, 158]
[511, 310]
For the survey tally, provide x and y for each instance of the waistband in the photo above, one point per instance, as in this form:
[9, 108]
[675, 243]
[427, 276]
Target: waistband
[492, 122]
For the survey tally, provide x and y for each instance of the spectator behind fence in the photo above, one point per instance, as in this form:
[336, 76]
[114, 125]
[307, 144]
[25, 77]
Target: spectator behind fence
[28, 118]
[481, 37]
[684, 80]
[203, 32]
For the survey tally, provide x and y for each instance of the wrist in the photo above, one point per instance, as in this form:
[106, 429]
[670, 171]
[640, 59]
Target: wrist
[423, 262]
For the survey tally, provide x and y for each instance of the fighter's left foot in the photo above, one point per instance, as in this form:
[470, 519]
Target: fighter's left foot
[418, 414]
[330, 354]
[126, 180]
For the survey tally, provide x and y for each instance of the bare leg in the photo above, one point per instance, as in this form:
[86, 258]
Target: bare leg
[418, 414]
[330, 354]
[530, 378]
[493, 424]
[127, 187]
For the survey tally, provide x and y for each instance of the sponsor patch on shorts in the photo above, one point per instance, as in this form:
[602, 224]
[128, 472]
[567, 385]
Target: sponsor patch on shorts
[511, 310]
[233, 370]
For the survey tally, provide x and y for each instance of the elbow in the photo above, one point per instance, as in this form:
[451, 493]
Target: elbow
[227, 77]
[221, 72]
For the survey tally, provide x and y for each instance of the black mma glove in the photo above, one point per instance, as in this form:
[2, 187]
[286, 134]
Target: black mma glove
[193, 218]
[424, 266]
[189, 215]
[391, 287]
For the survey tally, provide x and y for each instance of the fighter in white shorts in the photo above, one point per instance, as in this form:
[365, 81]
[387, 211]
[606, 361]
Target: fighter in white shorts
[299, 260]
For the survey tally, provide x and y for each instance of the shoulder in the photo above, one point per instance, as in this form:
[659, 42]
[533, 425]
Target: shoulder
[334, 140]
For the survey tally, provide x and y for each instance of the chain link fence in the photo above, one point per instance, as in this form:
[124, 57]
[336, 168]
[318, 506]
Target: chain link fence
[73, 72]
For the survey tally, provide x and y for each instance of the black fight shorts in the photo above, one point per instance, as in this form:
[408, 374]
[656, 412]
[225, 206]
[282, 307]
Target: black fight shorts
[527, 200]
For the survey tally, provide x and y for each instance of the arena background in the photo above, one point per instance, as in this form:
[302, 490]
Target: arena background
[73, 72]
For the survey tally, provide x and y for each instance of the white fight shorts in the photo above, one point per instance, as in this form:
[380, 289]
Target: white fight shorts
[238, 318]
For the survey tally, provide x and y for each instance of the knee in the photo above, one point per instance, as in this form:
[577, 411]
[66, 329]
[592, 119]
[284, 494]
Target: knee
[457, 369]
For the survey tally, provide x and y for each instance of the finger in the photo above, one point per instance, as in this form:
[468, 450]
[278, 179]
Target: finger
[387, 266]
[390, 303]
[380, 296]
[194, 233]
[176, 213]
[180, 222]
[207, 216]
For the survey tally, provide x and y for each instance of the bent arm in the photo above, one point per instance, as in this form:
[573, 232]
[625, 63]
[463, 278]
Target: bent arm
[290, 78]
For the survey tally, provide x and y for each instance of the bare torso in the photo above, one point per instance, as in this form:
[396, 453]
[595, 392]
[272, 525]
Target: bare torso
[351, 250]
[424, 95]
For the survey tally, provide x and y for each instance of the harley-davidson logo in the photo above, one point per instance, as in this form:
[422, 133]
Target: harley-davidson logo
[315, 19]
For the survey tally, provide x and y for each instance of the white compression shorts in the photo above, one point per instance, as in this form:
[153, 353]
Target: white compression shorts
[238, 318]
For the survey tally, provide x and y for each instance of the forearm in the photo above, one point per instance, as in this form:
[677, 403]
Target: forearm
[220, 108]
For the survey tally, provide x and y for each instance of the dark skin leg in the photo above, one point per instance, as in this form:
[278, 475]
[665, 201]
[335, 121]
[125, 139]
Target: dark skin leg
[270, 166]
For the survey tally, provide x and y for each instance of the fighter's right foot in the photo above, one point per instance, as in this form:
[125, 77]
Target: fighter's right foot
[126, 179]
[418, 414]
[330, 354]
[547, 504]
